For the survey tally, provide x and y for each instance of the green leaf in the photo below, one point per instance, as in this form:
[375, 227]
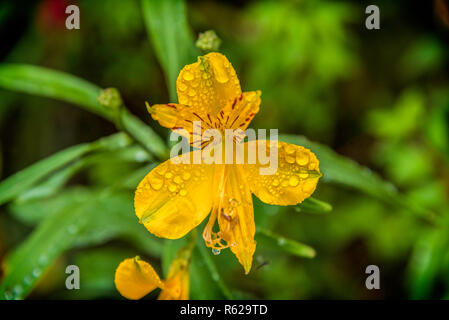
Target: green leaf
[425, 263]
[89, 219]
[52, 84]
[143, 134]
[344, 171]
[287, 245]
[168, 30]
[97, 271]
[26, 178]
[35, 255]
[202, 284]
[205, 257]
[62, 86]
[312, 205]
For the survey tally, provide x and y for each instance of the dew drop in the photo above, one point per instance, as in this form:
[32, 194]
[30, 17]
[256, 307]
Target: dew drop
[302, 158]
[221, 75]
[304, 175]
[42, 259]
[275, 182]
[187, 76]
[177, 180]
[17, 290]
[36, 272]
[8, 295]
[186, 176]
[289, 149]
[191, 93]
[72, 229]
[216, 252]
[161, 169]
[309, 185]
[172, 188]
[182, 86]
[293, 181]
[289, 159]
[168, 175]
[183, 192]
[156, 182]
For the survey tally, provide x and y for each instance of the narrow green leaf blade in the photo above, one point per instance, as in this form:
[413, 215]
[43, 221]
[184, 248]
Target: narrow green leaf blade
[344, 171]
[62, 86]
[312, 205]
[212, 269]
[287, 245]
[167, 27]
[52, 84]
[26, 178]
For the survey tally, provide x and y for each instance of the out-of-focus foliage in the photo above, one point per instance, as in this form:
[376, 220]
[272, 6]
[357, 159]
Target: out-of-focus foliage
[370, 99]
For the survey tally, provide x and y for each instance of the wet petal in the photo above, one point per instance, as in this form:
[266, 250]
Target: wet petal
[183, 120]
[135, 278]
[235, 215]
[238, 113]
[177, 282]
[294, 180]
[208, 85]
[175, 197]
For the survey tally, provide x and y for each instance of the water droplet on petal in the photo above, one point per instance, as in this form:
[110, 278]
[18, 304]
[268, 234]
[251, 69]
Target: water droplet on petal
[191, 93]
[186, 176]
[172, 188]
[289, 159]
[168, 175]
[187, 76]
[289, 149]
[216, 252]
[293, 181]
[221, 74]
[302, 158]
[275, 182]
[183, 192]
[182, 86]
[156, 182]
[304, 175]
[161, 169]
[177, 180]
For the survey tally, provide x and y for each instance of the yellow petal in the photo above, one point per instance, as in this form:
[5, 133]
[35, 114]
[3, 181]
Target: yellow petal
[208, 85]
[295, 179]
[175, 197]
[235, 214]
[183, 120]
[238, 113]
[177, 282]
[135, 278]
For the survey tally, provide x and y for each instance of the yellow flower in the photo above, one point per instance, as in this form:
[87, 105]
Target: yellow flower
[174, 198]
[135, 278]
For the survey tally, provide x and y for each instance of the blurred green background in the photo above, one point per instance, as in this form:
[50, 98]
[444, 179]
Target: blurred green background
[378, 97]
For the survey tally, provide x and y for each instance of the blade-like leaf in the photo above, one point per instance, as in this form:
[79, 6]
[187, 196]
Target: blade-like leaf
[312, 205]
[52, 84]
[288, 245]
[167, 27]
[62, 86]
[344, 171]
[91, 220]
[209, 264]
[26, 178]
